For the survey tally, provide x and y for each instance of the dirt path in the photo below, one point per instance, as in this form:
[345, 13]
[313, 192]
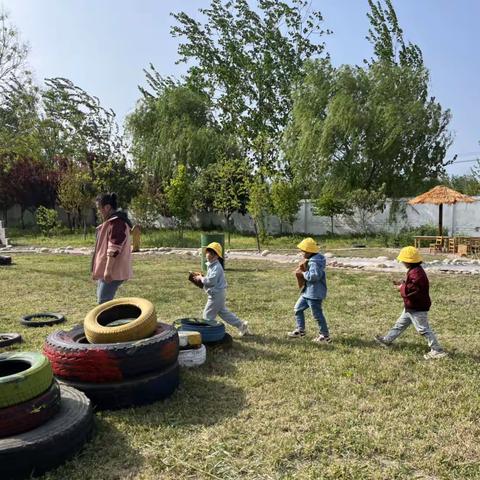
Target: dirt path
[376, 264]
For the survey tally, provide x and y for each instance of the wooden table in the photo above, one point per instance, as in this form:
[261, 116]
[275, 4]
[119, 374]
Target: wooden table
[417, 240]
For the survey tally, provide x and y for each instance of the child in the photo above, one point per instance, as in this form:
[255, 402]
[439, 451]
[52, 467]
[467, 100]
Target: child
[215, 285]
[313, 293]
[414, 291]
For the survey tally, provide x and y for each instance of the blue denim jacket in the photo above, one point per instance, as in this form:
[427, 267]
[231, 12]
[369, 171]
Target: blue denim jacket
[215, 279]
[316, 282]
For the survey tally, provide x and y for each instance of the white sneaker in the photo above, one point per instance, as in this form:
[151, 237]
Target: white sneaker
[244, 330]
[434, 354]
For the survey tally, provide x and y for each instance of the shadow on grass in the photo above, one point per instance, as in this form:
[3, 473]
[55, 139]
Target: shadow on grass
[199, 400]
[107, 456]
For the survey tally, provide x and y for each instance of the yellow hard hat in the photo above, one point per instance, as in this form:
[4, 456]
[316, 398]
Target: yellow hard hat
[308, 245]
[216, 247]
[409, 255]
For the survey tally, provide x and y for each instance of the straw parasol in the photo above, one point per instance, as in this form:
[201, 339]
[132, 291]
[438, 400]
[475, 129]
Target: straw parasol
[438, 196]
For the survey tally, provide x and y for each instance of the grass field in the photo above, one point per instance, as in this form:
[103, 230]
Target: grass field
[273, 408]
[191, 238]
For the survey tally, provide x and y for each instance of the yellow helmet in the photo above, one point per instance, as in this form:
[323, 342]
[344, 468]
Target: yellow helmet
[409, 255]
[308, 245]
[216, 247]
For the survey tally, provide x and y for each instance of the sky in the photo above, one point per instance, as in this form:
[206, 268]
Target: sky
[104, 45]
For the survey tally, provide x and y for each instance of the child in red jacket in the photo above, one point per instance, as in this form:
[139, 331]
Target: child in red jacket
[415, 293]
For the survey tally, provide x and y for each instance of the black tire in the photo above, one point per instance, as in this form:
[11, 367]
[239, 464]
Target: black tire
[138, 391]
[4, 260]
[224, 344]
[51, 444]
[209, 333]
[28, 415]
[73, 358]
[7, 339]
[48, 319]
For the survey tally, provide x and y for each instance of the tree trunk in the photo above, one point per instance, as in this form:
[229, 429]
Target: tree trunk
[22, 212]
[227, 221]
[84, 228]
[256, 235]
[69, 220]
[331, 220]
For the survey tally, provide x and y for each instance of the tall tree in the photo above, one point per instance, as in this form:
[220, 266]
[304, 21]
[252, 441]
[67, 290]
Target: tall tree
[246, 60]
[371, 126]
[172, 125]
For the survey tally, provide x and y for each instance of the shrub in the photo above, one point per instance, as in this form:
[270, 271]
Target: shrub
[47, 220]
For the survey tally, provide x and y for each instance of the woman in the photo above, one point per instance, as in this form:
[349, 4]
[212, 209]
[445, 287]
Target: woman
[112, 259]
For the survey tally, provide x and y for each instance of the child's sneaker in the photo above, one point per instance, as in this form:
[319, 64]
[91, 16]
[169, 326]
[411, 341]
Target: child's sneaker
[381, 340]
[434, 354]
[322, 339]
[244, 330]
[298, 332]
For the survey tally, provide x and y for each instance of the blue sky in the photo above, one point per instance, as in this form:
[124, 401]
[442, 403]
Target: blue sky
[103, 45]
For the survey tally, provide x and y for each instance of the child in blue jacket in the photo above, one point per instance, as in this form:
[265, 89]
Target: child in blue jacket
[313, 293]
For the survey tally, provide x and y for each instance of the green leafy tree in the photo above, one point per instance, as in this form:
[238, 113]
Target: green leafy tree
[179, 197]
[259, 206]
[229, 189]
[468, 184]
[374, 125]
[246, 60]
[172, 125]
[365, 204]
[285, 196]
[333, 201]
[76, 194]
[46, 219]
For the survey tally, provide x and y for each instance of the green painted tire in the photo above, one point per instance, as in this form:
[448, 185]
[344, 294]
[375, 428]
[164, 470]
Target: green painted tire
[23, 376]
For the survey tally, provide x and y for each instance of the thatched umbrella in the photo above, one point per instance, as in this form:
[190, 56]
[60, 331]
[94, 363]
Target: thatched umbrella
[438, 196]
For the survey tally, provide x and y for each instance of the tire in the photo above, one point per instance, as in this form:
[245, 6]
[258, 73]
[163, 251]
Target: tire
[210, 333]
[7, 339]
[23, 376]
[143, 325]
[51, 444]
[224, 344]
[191, 339]
[73, 358]
[193, 357]
[5, 260]
[48, 319]
[142, 390]
[31, 414]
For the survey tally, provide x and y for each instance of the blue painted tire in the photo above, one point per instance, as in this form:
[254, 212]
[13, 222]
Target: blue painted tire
[209, 332]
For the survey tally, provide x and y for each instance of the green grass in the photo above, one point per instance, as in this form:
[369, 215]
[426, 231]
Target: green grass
[273, 408]
[191, 238]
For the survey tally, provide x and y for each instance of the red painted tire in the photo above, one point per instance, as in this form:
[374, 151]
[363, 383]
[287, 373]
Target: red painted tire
[73, 358]
[26, 416]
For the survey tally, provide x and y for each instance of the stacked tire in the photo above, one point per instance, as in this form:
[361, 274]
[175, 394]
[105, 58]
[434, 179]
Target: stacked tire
[120, 357]
[192, 351]
[212, 334]
[42, 423]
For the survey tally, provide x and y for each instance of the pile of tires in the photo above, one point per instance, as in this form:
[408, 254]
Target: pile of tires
[120, 357]
[42, 423]
[192, 351]
[213, 333]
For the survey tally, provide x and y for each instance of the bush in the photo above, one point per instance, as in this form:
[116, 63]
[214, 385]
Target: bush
[405, 236]
[47, 220]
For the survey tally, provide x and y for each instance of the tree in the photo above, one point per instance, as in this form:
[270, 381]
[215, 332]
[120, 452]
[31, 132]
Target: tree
[246, 60]
[332, 201]
[179, 197]
[468, 184]
[258, 207]
[229, 190]
[374, 125]
[172, 125]
[13, 52]
[76, 193]
[46, 219]
[286, 196]
[365, 203]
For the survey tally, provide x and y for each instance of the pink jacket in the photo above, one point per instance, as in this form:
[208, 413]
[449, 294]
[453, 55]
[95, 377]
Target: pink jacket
[113, 239]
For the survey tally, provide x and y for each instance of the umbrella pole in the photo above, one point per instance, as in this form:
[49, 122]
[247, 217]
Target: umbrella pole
[440, 220]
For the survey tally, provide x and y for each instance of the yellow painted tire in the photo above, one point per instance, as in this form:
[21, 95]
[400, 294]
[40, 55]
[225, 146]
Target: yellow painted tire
[108, 322]
[191, 339]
